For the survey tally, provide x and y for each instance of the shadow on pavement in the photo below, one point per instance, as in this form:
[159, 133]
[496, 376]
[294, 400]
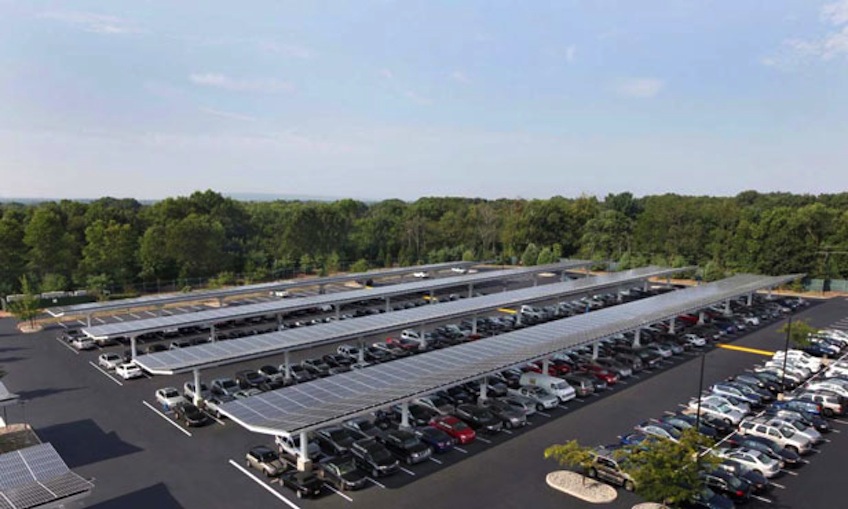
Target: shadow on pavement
[156, 496]
[83, 443]
[40, 393]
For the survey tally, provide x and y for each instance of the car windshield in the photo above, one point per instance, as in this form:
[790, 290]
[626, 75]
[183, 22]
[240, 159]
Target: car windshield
[170, 393]
[267, 456]
[226, 384]
[459, 425]
[380, 454]
[561, 386]
[346, 467]
[409, 443]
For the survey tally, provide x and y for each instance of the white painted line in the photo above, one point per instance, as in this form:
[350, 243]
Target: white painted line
[135, 316]
[376, 483]
[826, 440]
[460, 449]
[840, 421]
[167, 312]
[406, 471]
[622, 382]
[184, 310]
[170, 421]
[835, 431]
[99, 319]
[63, 325]
[151, 313]
[669, 413]
[66, 345]
[806, 462]
[793, 474]
[761, 499]
[98, 368]
[262, 483]
[337, 492]
[776, 485]
[484, 440]
[219, 421]
[82, 323]
[815, 451]
[508, 432]
[118, 317]
[543, 414]
[434, 460]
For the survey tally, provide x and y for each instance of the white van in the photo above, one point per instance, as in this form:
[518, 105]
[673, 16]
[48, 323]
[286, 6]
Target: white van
[556, 386]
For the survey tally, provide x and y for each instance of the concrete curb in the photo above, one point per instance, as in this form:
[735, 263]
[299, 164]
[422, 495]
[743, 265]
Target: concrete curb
[582, 487]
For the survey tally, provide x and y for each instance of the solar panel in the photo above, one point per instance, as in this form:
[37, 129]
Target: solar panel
[150, 300]
[184, 359]
[36, 476]
[237, 312]
[329, 400]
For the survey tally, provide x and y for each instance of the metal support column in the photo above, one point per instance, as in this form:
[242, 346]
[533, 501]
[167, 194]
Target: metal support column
[645, 285]
[727, 307]
[595, 347]
[361, 351]
[133, 347]
[637, 338]
[470, 291]
[287, 366]
[212, 335]
[701, 318]
[546, 364]
[672, 325]
[404, 415]
[303, 461]
[279, 321]
[322, 289]
[750, 299]
[474, 324]
[196, 399]
[88, 320]
[339, 310]
[432, 298]
[535, 280]
[388, 304]
[483, 386]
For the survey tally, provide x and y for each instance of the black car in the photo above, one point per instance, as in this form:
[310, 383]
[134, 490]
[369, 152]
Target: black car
[685, 421]
[335, 440]
[479, 418]
[457, 395]
[190, 415]
[373, 457]
[299, 374]
[317, 367]
[363, 427]
[753, 380]
[304, 484]
[729, 485]
[437, 439]
[335, 360]
[406, 446]
[250, 379]
[418, 415]
[342, 473]
[758, 481]
[708, 499]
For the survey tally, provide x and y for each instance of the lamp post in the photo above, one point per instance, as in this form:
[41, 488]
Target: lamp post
[700, 394]
[785, 355]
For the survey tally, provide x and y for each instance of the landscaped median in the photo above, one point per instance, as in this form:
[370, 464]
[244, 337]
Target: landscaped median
[582, 487]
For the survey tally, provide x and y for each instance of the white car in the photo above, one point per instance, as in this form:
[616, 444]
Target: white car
[128, 371]
[188, 390]
[459, 270]
[169, 397]
[799, 357]
[753, 459]
[739, 406]
[109, 360]
[694, 340]
[799, 428]
[661, 350]
[83, 343]
[751, 320]
[290, 445]
[421, 275]
[718, 411]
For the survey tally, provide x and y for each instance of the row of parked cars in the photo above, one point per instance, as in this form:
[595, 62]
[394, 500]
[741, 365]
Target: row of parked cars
[762, 421]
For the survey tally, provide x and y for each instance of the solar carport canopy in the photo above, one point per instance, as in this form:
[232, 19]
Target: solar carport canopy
[37, 477]
[175, 298]
[135, 327]
[340, 397]
[236, 350]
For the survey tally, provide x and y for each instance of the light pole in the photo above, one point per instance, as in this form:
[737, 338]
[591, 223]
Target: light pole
[700, 394]
[785, 355]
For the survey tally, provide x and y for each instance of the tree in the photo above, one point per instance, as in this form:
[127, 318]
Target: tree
[530, 256]
[571, 454]
[99, 285]
[49, 243]
[668, 472]
[110, 249]
[799, 332]
[545, 256]
[13, 252]
[360, 265]
[27, 307]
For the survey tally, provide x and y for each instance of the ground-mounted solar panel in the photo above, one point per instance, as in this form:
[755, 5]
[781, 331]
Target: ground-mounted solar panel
[183, 359]
[289, 305]
[325, 401]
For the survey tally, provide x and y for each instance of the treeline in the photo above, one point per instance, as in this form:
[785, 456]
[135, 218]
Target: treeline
[111, 243]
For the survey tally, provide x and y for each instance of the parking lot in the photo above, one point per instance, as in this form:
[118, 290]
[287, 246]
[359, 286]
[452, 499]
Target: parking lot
[103, 426]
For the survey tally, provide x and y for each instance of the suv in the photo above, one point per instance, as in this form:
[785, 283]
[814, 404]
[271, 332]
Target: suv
[372, 457]
[783, 437]
[606, 468]
[406, 446]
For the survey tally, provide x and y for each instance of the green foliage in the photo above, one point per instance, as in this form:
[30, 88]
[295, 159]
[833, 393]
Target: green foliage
[27, 308]
[468, 256]
[571, 454]
[53, 283]
[225, 278]
[99, 284]
[360, 265]
[665, 471]
[799, 332]
[545, 256]
[530, 256]
[307, 264]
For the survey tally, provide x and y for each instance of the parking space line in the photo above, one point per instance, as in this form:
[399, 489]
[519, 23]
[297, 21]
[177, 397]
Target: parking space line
[434, 460]
[484, 440]
[66, 345]
[826, 440]
[167, 312]
[170, 421]
[776, 485]
[622, 382]
[98, 368]
[376, 483]
[806, 462]
[135, 316]
[460, 449]
[835, 431]
[99, 319]
[182, 309]
[219, 421]
[407, 471]
[543, 414]
[762, 499]
[262, 483]
[62, 324]
[840, 421]
[508, 432]
[151, 313]
[82, 323]
[793, 474]
[337, 492]
[815, 451]
[118, 317]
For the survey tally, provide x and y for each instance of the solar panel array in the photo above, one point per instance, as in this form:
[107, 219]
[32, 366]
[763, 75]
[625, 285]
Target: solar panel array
[183, 359]
[36, 476]
[157, 300]
[282, 306]
[308, 406]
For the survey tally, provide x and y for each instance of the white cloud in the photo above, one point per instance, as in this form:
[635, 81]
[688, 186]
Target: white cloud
[460, 77]
[387, 74]
[836, 13]
[570, 53]
[643, 88]
[94, 23]
[417, 98]
[241, 85]
[228, 114]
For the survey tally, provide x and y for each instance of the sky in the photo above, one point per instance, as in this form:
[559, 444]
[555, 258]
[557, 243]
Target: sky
[376, 99]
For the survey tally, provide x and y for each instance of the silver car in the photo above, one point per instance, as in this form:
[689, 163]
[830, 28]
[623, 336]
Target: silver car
[541, 398]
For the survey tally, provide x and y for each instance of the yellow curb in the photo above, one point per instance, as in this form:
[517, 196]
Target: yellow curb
[746, 350]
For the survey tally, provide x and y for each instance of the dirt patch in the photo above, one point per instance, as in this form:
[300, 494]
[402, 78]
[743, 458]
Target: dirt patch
[28, 328]
[581, 487]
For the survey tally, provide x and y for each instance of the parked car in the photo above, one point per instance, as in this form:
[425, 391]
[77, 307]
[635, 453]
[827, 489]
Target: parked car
[83, 343]
[437, 439]
[373, 457]
[342, 473]
[266, 460]
[169, 397]
[224, 386]
[304, 484]
[128, 371]
[213, 403]
[729, 485]
[406, 446]
[606, 467]
[289, 445]
[509, 416]
[456, 428]
[755, 460]
[188, 391]
[542, 398]
[109, 360]
[190, 415]
[335, 440]
[363, 427]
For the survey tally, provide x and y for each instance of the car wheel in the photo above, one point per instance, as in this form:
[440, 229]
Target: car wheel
[540, 407]
[628, 486]
[508, 425]
[374, 473]
[299, 494]
[593, 473]
[828, 412]
[793, 449]
[728, 422]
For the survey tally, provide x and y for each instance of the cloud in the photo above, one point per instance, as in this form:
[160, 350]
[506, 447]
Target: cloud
[387, 74]
[241, 85]
[460, 77]
[228, 115]
[835, 13]
[834, 44]
[643, 88]
[570, 53]
[94, 23]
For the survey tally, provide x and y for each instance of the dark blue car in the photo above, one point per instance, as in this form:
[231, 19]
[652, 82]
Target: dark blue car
[435, 438]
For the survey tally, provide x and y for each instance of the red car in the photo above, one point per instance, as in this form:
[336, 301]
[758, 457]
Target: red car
[406, 344]
[599, 372]
[454, 427]
[555, 368]
[688, 319]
